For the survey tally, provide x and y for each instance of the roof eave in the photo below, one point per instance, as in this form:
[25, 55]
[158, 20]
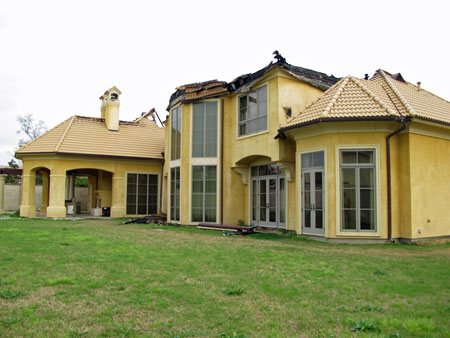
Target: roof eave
[339, 119]
[92, 155]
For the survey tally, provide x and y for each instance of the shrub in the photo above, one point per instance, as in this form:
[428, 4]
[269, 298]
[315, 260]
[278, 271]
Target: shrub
[234, 291]
[365, 325]
[10, 294]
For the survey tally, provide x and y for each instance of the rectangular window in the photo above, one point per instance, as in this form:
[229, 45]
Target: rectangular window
[204, 130]
[204, 184]
[358, 190]
[175, 143]
[142, 194]
[175, 194]
[253, 112]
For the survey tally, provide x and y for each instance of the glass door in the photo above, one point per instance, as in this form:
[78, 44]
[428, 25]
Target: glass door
[268, 196]
[272, 194]
[313, 202]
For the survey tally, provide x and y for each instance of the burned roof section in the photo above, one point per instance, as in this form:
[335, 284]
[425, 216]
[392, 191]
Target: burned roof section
[196, 91]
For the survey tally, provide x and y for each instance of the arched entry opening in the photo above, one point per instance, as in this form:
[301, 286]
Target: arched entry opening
[267, 190]
[38, 192]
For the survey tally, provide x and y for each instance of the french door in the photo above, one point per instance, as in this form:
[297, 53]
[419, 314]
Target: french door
[269, 201]
[313, 197]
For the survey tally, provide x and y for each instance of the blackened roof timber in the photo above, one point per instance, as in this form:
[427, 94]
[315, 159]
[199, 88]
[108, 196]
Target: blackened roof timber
[196, 91]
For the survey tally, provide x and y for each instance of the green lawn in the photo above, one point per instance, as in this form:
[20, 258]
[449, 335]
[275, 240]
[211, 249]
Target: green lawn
[100, 278]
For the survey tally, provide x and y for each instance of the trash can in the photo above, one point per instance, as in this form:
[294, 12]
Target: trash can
[106, 212]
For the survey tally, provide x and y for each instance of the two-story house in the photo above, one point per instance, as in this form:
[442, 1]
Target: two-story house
[224, 162]
[286, 147]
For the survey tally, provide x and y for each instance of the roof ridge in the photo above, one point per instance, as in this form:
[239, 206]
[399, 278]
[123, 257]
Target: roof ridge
[408, 107]
[65, 133]
[40, 136]
[373, 96]
[427, 91]
[335, 96]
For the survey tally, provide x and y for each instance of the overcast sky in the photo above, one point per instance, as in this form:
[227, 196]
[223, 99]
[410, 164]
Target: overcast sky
[58, 57]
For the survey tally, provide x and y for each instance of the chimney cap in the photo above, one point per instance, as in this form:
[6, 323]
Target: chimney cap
[113, 89]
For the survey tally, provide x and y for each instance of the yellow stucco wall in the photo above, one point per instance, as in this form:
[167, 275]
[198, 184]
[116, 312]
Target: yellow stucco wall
[420, 173]
[296, 95]
[331, 138]
[111, 183]
[430, 188]
[403, 197]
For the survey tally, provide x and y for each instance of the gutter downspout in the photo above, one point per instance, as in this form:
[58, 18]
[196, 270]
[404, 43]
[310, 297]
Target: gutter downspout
[221, 162]
[388, 161]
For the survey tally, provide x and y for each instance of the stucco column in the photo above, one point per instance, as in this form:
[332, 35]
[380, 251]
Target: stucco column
[44, 203]
[57, 206]
[72, 187]
[27, 207]
[118, 208]
[2, 193]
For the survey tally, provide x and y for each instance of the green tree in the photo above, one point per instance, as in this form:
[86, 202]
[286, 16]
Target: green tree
[30, 127]
[13, 179]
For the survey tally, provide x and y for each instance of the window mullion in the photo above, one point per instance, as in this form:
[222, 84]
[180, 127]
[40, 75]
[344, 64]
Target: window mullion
[203, 193]
[204, 130]
[178, 134]
[148, 184]
[358, 199]
[137, 193]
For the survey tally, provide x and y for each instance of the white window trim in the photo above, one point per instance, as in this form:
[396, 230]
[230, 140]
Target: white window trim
[175, 163]
[339, 232]
[237, 112]
[169, 212]
[218, 129]
[190, 193]
[299, 187]
[249, 194]
[157, 193]
[204, 161]
[191, 133]
[170, 139]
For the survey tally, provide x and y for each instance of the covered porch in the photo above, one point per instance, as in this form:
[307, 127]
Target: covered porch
[105, 195]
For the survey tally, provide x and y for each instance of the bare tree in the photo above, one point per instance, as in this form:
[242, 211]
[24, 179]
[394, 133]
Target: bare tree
[30, 127]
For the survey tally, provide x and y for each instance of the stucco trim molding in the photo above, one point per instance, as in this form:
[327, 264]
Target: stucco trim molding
[361, 234]
[289, 170]
[244, 172]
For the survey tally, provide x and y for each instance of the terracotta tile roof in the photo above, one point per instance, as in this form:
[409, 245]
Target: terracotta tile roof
[80, 135]
[384, 96]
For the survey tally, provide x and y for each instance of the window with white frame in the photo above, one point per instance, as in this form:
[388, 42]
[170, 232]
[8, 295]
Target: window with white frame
[358, 190]
[142, 194]
[204, 129]
[175, 143]
[253, 112]
[204, 198]
[175, 194]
